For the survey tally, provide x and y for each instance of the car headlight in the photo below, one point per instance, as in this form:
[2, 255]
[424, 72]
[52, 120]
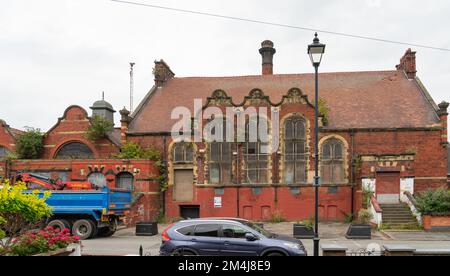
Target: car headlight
[292, 245]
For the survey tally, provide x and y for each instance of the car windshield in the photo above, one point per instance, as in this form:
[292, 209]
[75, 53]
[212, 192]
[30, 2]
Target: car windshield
[260, 230]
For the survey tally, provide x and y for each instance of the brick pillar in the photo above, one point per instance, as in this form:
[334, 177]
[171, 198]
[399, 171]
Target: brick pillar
[124, 121]
[443, 115]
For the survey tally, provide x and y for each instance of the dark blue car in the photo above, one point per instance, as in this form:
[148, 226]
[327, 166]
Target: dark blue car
[226, 237]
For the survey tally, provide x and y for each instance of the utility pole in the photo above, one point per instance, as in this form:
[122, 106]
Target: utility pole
[131, 86]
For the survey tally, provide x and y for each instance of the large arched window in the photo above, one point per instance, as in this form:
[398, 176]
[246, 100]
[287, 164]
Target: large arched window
[74, 150]
[125, 181]
[332, 162]
[183, 153]
[3, 152]
[98, 179]
[256, 154]
[295, 151]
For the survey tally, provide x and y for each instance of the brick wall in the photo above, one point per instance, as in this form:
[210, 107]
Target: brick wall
[72, 128]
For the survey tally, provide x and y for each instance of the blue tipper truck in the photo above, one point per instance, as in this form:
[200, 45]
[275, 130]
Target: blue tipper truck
[89, 213]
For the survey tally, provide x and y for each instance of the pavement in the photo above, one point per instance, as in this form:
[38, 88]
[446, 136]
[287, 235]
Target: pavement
[124, 242]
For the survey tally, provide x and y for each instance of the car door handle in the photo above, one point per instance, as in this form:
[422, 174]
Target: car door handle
[193, 240]
[226, 243]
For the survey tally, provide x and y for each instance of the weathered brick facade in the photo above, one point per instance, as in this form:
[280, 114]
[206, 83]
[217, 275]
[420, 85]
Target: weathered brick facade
[389, 132]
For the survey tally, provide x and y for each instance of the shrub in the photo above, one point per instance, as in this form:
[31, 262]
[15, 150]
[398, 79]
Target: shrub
[277, 217]
[29, 145]
[19, 212]
[99, 129]
[133, 150]
[309, 223]
[47, 240]
[366, 197]
[434, 202]
[364, 216]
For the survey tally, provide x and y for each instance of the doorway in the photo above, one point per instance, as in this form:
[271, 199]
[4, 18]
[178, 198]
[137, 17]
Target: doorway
[388, 188]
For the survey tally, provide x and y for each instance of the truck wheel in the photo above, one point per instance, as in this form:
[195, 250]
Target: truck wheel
[60, 224]
[106, 232]
[95, 230]
[84, 229]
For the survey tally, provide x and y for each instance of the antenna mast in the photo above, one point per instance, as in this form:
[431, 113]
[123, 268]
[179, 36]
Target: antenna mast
[131, 86]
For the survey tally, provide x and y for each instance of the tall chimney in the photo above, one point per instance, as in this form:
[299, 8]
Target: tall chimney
[267, 52]
[162, 73]
[408, 64]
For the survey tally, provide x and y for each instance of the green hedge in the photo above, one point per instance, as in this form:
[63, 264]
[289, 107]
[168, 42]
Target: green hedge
[434, 202]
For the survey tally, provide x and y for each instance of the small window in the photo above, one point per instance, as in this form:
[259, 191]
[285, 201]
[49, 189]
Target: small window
[187, 231]
[207, 230]
[3, 152]
[125, 181]
[183, 153]
[233, 232]
[98, 179]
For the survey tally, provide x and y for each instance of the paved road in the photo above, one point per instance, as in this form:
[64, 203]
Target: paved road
[124, 242]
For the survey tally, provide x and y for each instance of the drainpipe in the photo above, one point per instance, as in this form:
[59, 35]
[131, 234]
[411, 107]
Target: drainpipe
[353, 173]
[165, 175]
[238, 182]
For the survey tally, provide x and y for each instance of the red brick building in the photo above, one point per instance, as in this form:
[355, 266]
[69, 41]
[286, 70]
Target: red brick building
[379, 129]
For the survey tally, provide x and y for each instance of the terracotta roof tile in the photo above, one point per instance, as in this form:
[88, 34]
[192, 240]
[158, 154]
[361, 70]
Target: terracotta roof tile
[383, 99]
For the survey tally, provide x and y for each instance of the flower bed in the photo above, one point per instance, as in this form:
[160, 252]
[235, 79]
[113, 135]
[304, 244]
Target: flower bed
[43, 242]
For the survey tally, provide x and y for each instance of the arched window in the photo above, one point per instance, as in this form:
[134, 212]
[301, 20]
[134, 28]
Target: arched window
[125, 181]
[256, 155]
[74, 150]
[98, 179]
[3, 152]
[295, 151]
[183, 153]
[332, 162]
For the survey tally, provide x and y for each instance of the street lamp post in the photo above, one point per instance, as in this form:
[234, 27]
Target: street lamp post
[315, 52]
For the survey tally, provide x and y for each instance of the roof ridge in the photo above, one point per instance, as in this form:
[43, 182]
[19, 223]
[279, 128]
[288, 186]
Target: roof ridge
[289, 74]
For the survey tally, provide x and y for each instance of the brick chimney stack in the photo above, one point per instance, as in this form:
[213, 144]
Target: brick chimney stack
[267, 52]
[443, 116]
[162, 73]
[124, 123]
[408, 64]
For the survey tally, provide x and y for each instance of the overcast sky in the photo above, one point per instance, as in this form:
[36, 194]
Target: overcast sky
[57, 53]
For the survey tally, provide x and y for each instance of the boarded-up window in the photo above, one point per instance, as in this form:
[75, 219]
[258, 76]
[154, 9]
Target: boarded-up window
[183, 153]
[74, 150]
[332, 162]
[220, 163]
[295, 151]
[184, 186]
[125, 181]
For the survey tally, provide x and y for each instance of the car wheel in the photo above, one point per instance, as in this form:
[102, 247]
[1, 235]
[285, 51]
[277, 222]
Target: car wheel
[84, 229]
[60, 224]
[183, 253]
[275, 254]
